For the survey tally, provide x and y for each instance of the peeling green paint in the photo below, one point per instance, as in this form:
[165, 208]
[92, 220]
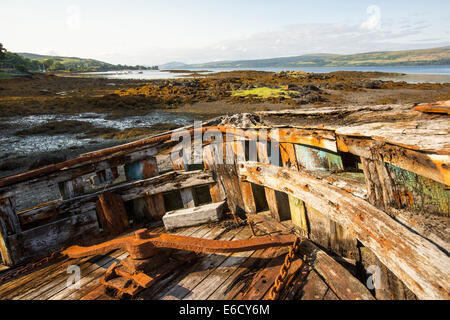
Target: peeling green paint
[420, 193]
[312, 158]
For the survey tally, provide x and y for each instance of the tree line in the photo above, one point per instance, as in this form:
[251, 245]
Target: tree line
[15, 61]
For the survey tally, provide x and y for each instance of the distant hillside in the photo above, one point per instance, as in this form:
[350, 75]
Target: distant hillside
[436, 56]
[173, 65]
[73, 64]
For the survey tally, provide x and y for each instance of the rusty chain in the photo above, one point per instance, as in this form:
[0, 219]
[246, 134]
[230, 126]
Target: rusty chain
[30, 266]
[281, 278]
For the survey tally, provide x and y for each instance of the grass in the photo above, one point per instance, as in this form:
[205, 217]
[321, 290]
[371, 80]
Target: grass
[263, 92]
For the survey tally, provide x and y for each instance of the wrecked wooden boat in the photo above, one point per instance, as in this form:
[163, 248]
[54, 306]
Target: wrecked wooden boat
[357, 207]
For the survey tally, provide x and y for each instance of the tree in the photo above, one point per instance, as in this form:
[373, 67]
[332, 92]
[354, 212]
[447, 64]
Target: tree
[2, 52]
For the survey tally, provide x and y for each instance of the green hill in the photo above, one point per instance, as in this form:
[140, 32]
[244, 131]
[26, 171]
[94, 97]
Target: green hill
[35, 62]
[76, 64]
[435, 56]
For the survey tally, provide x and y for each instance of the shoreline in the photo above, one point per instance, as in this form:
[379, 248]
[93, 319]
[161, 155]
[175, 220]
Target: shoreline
[194, 98]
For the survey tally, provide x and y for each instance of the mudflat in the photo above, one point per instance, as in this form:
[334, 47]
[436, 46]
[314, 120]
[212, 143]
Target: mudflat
[92, 112]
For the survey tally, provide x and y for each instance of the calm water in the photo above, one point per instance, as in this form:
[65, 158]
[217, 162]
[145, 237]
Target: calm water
[414, 74]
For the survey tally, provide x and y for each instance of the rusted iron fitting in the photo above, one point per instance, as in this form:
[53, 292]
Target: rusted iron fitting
[144, 244]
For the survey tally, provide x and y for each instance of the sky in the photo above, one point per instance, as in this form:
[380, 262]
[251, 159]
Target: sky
[153, 32]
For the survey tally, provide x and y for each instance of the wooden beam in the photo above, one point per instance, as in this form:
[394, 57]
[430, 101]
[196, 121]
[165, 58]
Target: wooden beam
[421, 265]
[151, 206]
[112, 214]
[246, 187]
[342, 282]
[227, 175]
[297, 206]
[71, 188]
[436, 107]
[128, 191]
[66, 173]
[187, 194]
[433, 166]
[215, 190]
[270, 193]
[189, 217]
[324, 139]
[50, 237]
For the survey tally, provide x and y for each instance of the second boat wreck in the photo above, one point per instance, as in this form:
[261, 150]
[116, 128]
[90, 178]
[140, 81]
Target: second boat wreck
[349, 203]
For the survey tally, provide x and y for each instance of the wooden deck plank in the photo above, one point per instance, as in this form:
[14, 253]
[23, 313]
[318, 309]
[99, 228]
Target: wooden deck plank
[58, 276]
[87, 283]
[59, 284]
[417, 262]
[194, 274]
[53, 275]
[20, 287]
[165, 284]
[220, 274]
[31, 280]
[97, 291]
[314, 289]
[235, 282]
[236, 274]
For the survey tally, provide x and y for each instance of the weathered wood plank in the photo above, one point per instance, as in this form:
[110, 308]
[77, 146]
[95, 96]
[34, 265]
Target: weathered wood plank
[9, 225]
[227, 175]
[112, 214]
[89, 280]
[48, 176]
[271, 195]
[71, 188]
[52, 283]
[129, 191]
[148, 207]
[211, 212]
[209, 158]
[335, 275]
[215, 279]
[314, 288]
[187, 194]
[161, 288]
[310, 158]
[313, 137]
[246, 187]
[436, 107]
[425, 134]
[203, 268]
[421, 265]
[163, 285]
[52, 236]
[297, 207]
[430, 165]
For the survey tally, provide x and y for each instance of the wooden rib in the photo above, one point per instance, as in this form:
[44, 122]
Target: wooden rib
[342, 282]
[297, 207]
[246, 187]
[216, 190]
[429, 165]
[129, 191]
[421, 265]
[270, 193]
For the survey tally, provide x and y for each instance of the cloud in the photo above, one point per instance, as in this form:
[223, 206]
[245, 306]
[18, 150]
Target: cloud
[373, 21]
[373, 34]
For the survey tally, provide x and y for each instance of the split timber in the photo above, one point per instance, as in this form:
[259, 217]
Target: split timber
[369, 186]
